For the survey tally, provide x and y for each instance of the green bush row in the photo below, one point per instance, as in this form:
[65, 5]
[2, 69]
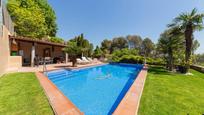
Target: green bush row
[132, 56]
[136, 59]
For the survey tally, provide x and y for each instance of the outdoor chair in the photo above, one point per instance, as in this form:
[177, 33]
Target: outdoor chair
[41, 61]
[85, 60]
[79, 61]
[95, 60]
[89, 59]
[48, 60]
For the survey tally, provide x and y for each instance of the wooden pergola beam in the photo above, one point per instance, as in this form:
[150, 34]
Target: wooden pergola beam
[36, 41]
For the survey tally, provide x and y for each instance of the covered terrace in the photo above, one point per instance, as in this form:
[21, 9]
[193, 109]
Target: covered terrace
[29, 49]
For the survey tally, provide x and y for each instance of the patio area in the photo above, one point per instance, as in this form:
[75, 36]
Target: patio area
[51, 67]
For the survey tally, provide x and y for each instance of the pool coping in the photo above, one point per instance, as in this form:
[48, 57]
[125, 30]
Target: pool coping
[129, 105]
[75, 68]
[61, 105]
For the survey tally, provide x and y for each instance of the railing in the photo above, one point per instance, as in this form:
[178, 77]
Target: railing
[7, 22]
[44, 67]
[5, 19]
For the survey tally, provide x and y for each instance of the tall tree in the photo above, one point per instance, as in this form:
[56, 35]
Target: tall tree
[119, 43]
[195, 46]
[200, 59]
[86, 47]
[73, 50]
[134, 41]
[32, 18]
[170, 44]
[77, 47]
[97, 52]
[56, 40]
[106, 46]
[50, 17]
[90, 51]
[188, 22]
[147, 47]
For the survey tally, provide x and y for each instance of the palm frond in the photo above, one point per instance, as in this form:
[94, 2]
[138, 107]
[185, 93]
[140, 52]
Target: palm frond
[171, 25]
[193, 12]
[198, 27]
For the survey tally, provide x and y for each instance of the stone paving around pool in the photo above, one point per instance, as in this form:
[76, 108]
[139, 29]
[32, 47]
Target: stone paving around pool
[129, 105]
[60, 104]
[51, 67]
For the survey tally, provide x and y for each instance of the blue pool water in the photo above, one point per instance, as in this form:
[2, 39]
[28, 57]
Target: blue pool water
[96, 90]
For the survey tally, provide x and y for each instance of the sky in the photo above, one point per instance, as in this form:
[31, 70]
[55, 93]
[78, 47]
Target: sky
[106, 19]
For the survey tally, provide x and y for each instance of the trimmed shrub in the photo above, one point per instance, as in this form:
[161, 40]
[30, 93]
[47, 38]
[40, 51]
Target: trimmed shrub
[131, 56]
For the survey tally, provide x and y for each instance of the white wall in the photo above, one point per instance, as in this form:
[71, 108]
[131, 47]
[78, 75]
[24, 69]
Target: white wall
[4, 51]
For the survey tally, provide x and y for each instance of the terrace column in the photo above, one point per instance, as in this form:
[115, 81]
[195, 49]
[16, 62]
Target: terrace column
[66, 58]
[33, 55]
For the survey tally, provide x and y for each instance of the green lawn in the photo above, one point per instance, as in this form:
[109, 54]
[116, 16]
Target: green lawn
[21, 94]
[172, 94]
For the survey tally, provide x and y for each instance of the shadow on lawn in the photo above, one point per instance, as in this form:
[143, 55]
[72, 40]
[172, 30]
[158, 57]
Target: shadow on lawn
[158, 70]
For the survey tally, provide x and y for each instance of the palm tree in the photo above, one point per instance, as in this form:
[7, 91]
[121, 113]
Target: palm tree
[188, 22]
[170, 42]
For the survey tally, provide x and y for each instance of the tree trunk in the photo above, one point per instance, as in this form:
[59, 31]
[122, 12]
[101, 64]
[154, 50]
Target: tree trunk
[167, 63]
[170, 59]
[188, 38]
[74, 61]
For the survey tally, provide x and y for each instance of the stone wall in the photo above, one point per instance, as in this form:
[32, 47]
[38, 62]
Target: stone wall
[198, 68]
[15, 63]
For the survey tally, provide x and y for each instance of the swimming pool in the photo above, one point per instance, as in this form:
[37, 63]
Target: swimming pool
[96, 90]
